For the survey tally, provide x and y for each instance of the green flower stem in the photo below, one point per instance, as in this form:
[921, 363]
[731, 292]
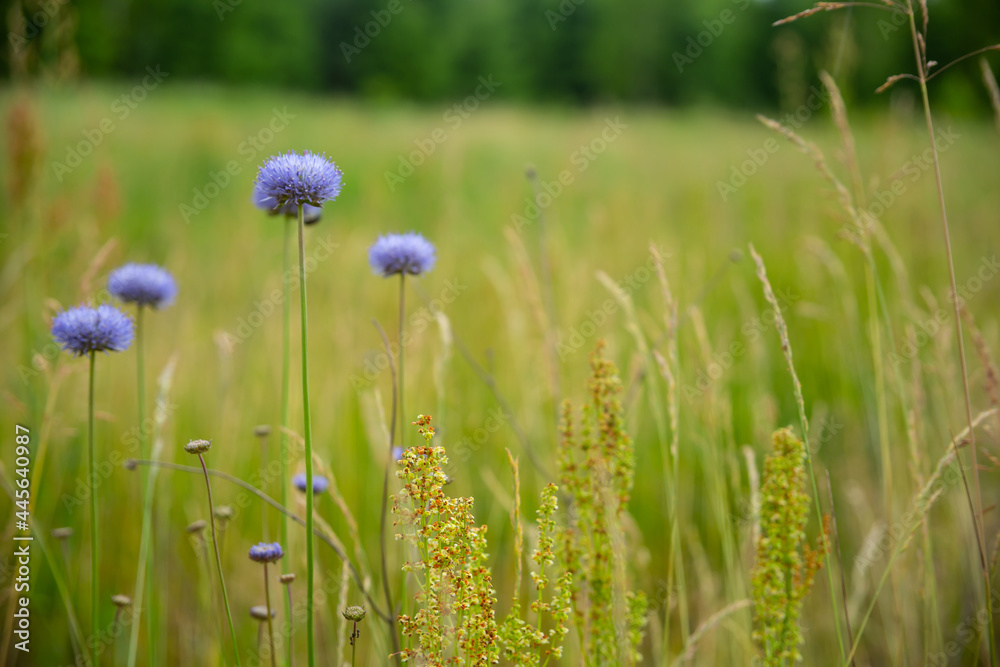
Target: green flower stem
[218, 560]
[402, 411]
[354, 643]
[307, 431]
[144, 572]
[285, 372]
[95, 623]
[114, 643]
[399, 342]
[270, 626]
[385, 502]
[288, 602]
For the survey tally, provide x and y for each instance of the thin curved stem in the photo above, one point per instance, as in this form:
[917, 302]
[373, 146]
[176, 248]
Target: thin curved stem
[218, 560]
[994, 47]
[95, 623]
[307, 433]
[276, 505]
[976, 501]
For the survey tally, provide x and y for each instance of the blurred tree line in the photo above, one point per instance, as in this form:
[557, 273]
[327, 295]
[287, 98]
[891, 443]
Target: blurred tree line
[565, 51]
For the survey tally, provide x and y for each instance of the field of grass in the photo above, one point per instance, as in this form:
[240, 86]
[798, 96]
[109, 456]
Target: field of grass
[880, 379]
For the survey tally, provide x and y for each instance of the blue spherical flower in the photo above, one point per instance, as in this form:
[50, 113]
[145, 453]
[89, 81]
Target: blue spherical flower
[266, 553]
[320, 483]
[297, 178]
[401, 253]
[397, 453]
[83, 329]
[144, 284]
[310, 214]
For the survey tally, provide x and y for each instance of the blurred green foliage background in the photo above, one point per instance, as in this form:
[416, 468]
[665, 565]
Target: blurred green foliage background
[567, 51]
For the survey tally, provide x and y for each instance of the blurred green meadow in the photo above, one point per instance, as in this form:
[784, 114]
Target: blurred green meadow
[171, 181]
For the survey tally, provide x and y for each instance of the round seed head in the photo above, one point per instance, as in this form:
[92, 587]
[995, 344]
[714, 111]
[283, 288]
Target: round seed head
[197, 446]
[196, 526]
[62, 533]
[121, 600]
[262, 430]
[354, 613]
[130, 464]
[287, 578]
[259, 612]
[224, 512]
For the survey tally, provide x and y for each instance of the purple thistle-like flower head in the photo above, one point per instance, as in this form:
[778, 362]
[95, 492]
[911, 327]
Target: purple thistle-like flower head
[297, 178]
[266, 553]
[84, 329]
[143, 284]
[310, 214]
[320, 483]
[401, 253]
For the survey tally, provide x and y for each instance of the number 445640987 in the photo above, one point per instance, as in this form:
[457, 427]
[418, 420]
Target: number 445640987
[22, 437]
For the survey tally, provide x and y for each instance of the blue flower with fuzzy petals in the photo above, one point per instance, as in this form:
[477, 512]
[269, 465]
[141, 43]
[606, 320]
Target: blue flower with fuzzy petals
[320, 483]
[297, 178]
[310, 214]
[83, 329]
[266, 553]
[401, 253]
[143, 284]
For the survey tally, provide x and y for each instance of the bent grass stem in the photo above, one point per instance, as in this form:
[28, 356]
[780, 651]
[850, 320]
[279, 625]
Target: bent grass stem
[218, 559]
